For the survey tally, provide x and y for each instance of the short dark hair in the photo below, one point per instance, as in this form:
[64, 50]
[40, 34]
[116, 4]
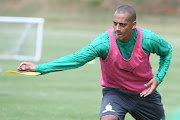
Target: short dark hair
[125, 8]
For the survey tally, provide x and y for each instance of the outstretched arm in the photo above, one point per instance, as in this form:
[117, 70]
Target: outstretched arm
[98, 48]
[64, 63]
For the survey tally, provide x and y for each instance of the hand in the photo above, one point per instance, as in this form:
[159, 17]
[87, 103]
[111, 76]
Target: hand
[153, 85]
[27, 66]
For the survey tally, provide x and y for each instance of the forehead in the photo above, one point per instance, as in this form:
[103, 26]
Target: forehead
[122, 18]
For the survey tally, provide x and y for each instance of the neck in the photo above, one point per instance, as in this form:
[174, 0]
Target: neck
[128, 37]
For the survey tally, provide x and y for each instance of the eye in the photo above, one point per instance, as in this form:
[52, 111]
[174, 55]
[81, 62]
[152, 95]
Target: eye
[122, 24]
[115, 23]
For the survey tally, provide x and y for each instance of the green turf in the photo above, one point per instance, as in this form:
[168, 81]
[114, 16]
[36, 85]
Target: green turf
[74, 94]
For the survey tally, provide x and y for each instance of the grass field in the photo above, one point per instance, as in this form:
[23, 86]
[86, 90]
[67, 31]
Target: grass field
[76, 94]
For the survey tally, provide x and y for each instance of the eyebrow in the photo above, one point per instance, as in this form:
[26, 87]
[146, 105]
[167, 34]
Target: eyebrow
[120, 23]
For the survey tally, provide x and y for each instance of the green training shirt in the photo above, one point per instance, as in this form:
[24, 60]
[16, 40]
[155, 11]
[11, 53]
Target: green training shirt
[151, 43]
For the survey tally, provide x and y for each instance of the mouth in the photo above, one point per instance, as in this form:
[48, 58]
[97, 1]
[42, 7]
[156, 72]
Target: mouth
[118, 33]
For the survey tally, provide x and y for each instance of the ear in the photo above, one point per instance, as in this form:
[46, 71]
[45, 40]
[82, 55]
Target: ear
[134, 24]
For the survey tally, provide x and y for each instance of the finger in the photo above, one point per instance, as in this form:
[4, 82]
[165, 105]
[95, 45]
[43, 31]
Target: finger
[148, 84]
[144, 92]
[23, 66]
[24, 63]
[19, 69]
[149, 92]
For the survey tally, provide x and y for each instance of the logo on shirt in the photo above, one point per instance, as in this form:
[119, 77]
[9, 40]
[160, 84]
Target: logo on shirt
[128, 71]
[108, 108]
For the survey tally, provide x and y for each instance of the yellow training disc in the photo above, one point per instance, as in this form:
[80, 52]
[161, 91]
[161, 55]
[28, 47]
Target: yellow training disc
[23, 73]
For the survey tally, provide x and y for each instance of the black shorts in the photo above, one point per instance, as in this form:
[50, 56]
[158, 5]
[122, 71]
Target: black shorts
[118, 103]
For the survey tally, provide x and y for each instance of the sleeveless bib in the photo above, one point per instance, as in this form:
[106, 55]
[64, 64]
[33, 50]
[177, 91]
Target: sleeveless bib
[128, 75]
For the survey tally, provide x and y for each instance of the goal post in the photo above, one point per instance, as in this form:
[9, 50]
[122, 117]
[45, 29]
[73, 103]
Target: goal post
[21, 38]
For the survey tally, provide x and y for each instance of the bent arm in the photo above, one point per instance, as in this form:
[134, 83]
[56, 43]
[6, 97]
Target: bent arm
[156, 44]
[164, 65]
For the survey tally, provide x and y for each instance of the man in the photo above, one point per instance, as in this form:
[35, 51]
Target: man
[127, 78]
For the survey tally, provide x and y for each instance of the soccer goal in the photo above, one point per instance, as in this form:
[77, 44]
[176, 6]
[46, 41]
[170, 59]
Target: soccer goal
[21, 38]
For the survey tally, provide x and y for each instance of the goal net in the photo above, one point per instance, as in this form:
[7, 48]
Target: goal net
[21, 38]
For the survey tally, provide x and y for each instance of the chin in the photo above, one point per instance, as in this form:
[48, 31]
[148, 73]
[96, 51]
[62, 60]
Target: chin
[118, 38]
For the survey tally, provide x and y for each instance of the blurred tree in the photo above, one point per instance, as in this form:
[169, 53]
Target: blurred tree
[139, 2]
[96, 2]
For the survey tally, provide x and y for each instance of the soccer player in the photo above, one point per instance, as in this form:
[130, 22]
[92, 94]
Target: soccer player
[129, 86]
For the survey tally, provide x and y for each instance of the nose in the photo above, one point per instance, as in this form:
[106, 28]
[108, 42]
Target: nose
[118, 27]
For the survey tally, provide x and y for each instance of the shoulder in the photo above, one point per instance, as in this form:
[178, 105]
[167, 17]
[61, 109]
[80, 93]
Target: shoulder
[153, 42]
[101, 39]
[100, 45]
[147, 33]
[103, 36]
[152, 37]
